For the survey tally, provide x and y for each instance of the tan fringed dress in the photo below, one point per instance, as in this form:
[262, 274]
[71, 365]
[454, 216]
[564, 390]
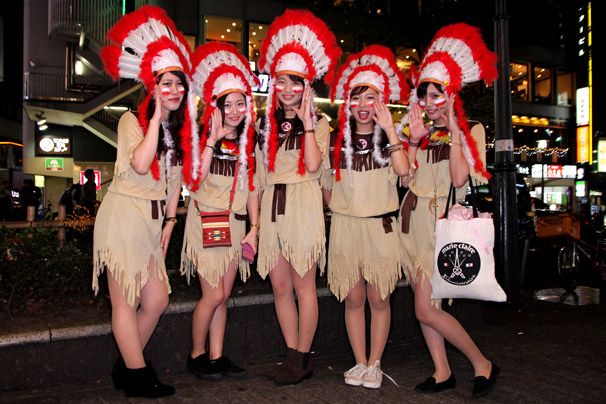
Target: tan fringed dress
[417, 216]
[364, 240]
[292, 214]
[129, 222]
[213, 196]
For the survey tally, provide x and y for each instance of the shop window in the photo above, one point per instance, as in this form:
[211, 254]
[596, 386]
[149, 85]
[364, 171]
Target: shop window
[256, 35]
[224, 30]
[565, 87]
[191, 40]
[519, 81]
[542, 85]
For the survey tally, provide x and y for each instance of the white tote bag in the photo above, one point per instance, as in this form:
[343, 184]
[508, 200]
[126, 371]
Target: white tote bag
[463, 257]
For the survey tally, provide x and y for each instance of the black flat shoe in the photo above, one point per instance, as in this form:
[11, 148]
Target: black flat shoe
[482, 385]
[429, 386]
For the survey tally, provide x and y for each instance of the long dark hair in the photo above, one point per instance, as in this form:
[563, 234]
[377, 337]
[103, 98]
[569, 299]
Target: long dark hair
[422, 89]
[280, 114]
[221, 105]
[175, 118]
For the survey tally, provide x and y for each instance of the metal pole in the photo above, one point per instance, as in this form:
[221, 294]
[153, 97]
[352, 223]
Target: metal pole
[504, 185]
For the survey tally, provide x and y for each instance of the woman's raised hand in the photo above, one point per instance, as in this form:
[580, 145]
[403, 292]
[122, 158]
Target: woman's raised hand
[159, 100]
[383, 116]
[217, 131]
[415, 123]
[450, 117]
[304, 111]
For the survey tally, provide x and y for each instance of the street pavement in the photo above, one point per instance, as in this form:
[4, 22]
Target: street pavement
[550, 351]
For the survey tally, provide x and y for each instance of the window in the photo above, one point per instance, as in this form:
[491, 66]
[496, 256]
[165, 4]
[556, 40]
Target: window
[565, 87]
[542, 85]
[256, 35]
[519, 81]
[224, 30]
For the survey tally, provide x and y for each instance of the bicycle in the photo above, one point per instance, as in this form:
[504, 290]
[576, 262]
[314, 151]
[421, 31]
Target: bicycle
[564, 230]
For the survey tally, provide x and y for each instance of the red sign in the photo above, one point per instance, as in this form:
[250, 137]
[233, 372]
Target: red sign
[83, 179]
[554, 171]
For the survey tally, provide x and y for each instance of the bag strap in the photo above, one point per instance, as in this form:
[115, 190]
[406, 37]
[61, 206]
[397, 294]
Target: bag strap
[451, 195]
[452, 199]
[475, 205]
[232, 192]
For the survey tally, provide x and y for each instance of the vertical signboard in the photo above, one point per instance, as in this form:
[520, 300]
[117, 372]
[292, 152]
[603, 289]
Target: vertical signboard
[583, 144]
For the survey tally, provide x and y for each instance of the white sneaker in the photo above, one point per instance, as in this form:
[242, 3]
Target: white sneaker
[354, 376]
[373, 377]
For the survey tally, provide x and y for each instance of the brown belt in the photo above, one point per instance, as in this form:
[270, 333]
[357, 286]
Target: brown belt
[156, 207]
[241, 217]
[409, 204]
[278, 202]
[387, 219]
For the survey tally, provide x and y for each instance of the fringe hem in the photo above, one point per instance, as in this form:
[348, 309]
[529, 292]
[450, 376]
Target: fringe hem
[211, 267]
[301, 262]
[370, 275]
[131, 288]
[413, 276]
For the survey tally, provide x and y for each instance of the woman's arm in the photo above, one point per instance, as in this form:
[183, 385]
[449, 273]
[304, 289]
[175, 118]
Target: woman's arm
[459, 169]
[312, 155]
[252, 206]
[145, 152]
[171, 212]
[385, 121]
[217, 133]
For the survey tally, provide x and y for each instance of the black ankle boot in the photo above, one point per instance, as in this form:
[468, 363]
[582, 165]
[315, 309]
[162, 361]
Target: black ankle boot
[143, 382]
[119, 373]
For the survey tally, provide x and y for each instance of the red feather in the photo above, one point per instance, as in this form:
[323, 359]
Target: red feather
[110, 55]
[147, 75]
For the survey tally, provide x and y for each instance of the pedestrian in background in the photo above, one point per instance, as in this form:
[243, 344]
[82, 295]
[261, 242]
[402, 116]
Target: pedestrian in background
[89, 193]
[137, 216]
[298, 49]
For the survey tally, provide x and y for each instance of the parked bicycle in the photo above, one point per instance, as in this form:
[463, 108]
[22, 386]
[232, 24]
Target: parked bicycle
[564, 229]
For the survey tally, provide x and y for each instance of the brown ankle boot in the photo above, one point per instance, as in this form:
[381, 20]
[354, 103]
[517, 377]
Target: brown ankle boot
[299, 369]
[278, 368]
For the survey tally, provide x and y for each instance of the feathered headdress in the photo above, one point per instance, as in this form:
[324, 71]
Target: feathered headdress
[144, 45]
[297, 43]
[375, 67]
[458, 56]
[218, 69]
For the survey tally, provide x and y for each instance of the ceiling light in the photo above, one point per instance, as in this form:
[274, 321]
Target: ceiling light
[222, 36]
[260, 27]
[228, 30]
[43, 127]
[41, 122]
[233, 24]
[78, 67]
[341, 41]
[254, 33]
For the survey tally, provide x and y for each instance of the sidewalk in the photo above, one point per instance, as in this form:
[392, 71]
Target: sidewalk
[548, 353]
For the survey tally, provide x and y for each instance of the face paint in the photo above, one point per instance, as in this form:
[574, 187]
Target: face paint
[181, 89]
[165, 91]
[355, 104]
[370, 103]
[422, 103]
[279, 87]
[297, 88]
[438, 102]
[242, 109]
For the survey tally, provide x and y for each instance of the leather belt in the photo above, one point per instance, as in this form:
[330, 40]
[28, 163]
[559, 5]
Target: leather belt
[156, 208]
[409, 204]
[387, 219]
[278, 203]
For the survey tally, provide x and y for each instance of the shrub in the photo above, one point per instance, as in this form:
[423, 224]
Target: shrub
[32, 266]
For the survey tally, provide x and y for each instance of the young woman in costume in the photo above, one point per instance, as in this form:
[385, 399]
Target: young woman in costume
[223, 79]
[298, 49]
[442, 154]
[364, 254]
[135, 221]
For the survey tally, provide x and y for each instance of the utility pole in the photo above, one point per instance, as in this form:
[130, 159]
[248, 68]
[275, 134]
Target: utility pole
[504, 183]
